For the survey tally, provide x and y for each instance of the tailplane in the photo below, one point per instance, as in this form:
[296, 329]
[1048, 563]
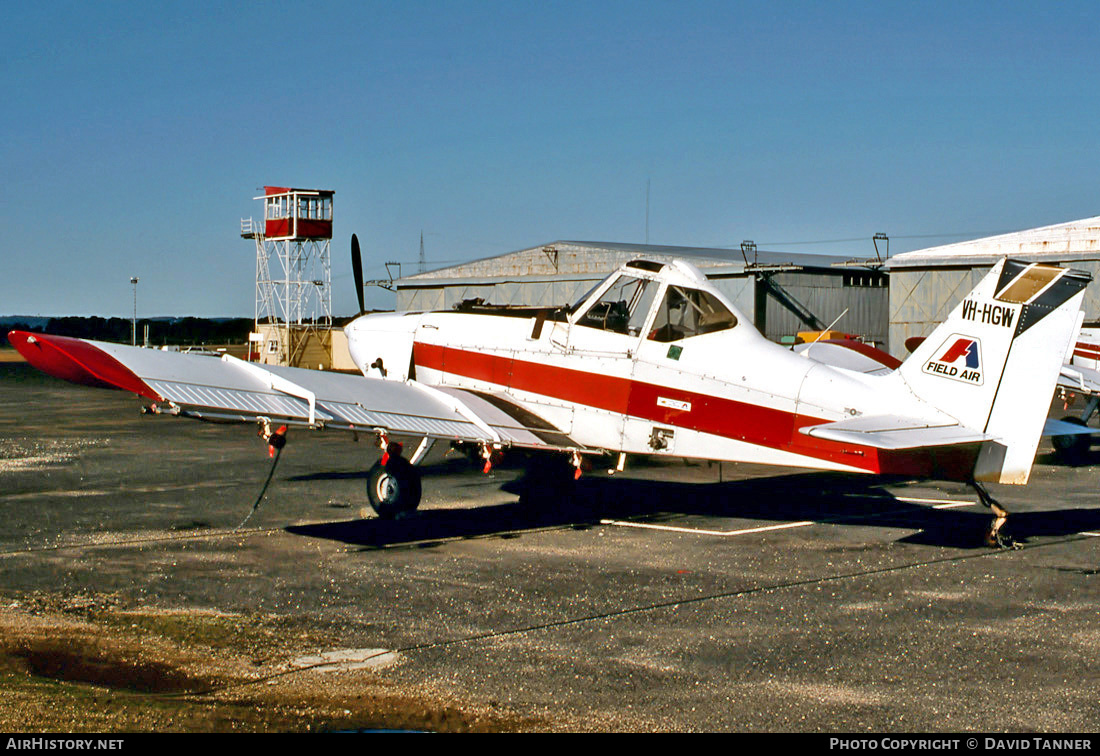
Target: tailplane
[993, 364]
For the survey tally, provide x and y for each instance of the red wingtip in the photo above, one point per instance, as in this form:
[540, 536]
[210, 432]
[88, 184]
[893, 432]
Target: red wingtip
[78, 361]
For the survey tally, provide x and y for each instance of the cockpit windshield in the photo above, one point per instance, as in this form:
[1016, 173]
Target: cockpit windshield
[584, 298]
[689, 312]
[623, 308]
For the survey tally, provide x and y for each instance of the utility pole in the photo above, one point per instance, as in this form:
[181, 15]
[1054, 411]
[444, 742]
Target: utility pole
[875, 240]
[133, 323]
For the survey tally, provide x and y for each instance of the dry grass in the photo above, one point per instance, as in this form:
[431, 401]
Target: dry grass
[87, 666]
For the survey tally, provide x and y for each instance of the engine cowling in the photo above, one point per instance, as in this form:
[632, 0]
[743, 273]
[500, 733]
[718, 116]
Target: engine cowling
[381, 344]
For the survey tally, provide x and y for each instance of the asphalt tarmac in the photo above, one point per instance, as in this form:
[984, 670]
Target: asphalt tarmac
[671, 596]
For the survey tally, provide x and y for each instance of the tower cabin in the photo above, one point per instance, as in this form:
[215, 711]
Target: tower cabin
[297, 214]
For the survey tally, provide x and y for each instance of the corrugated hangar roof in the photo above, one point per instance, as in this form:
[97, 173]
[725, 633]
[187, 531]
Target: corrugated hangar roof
[579, 258]
[1075, 240]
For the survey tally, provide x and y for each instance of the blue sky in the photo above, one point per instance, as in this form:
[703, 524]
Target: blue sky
[135, 135]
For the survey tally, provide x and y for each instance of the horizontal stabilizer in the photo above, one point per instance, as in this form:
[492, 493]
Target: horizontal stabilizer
[1054, 427]
[894, 432]
[851, 355]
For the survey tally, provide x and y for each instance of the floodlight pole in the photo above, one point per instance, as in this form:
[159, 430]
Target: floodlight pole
[133, 323]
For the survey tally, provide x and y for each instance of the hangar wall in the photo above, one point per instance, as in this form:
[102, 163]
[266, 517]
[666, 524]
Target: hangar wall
[921, 298]
[535, 291]
[925, 285]
[782, 293]
[857, 300]
[778, 291]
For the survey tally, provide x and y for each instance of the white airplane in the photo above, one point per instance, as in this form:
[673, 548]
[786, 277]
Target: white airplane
[1080, 377]
[653, 361]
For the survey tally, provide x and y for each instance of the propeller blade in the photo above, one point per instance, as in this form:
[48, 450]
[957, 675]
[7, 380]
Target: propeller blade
[357, 271]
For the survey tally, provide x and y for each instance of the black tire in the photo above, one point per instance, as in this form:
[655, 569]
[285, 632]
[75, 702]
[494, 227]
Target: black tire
[550, 481]
[394, 489]
[1072, 449]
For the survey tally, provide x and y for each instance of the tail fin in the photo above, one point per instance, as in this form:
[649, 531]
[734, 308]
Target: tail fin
[994, 362]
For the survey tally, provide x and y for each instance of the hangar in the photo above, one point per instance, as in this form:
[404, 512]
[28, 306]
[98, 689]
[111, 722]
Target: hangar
[783, 293]
[926, 284]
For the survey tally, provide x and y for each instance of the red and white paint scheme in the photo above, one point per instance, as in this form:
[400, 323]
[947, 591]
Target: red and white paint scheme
[1080, 377]
[1086, 352]
[656, 361]
[653, 361]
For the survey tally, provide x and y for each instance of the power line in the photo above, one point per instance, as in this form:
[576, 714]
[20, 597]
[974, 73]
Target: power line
[957, 234]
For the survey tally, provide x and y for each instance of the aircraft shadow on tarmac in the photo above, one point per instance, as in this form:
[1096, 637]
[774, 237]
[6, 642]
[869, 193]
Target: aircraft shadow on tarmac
[818, 497]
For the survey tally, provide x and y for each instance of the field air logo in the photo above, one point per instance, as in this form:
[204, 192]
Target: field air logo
[958, 358]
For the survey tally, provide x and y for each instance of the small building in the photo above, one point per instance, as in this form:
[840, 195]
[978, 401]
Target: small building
[783, 293]
[926, 284]
[317, 348]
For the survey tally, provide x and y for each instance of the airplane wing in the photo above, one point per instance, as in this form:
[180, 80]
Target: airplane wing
[1079, 378]
[895, 432]
[229, 389]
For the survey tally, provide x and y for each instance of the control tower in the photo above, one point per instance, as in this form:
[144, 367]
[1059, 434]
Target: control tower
[293, 278]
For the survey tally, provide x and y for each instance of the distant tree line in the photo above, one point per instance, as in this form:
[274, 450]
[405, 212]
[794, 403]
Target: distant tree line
[176, 331]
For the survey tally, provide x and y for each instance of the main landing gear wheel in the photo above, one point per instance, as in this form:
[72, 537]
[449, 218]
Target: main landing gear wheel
[1072, 449]
[394, 488]
[549, 481]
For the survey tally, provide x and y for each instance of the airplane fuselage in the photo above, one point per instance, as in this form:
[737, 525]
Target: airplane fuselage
[729, 395]
[656, 360]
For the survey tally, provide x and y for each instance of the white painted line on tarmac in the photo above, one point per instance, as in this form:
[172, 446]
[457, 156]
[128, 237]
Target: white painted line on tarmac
[347, 658]
[700, 531]
[936, 503]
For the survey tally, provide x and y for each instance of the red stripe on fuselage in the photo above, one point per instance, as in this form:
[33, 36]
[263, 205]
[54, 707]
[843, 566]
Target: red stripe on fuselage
[1088, 351]
[752, 423]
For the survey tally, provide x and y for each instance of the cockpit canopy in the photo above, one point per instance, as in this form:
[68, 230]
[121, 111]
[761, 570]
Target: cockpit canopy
[665, 310]
[623, 307]
[689, 312]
